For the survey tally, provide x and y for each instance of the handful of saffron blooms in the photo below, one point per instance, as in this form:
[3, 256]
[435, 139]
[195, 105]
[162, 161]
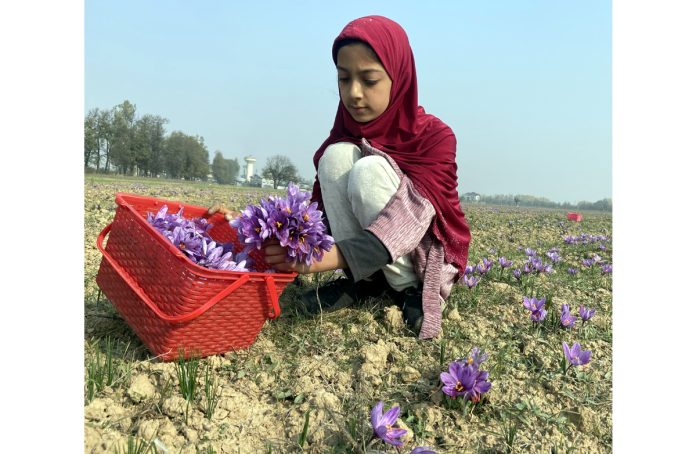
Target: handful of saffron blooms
[191, 237]
[295, 222]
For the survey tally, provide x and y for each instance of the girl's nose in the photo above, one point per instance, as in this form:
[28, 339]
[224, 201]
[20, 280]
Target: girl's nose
[355, 90]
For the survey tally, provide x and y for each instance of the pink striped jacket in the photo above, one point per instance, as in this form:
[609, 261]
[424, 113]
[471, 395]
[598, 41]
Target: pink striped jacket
[413, 214]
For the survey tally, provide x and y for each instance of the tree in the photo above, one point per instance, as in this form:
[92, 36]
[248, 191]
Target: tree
[105, 138]
[279, 169]
[149, 143]
[91, 137]
[220, 169]
[185, 156]
[225, 171]
[124, 141]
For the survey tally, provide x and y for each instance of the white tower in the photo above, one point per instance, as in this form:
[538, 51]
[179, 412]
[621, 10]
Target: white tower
[250, 160]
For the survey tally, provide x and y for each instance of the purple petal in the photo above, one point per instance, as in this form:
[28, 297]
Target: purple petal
[376, 414]
[391, 415]
[448, 379]
[566, 351]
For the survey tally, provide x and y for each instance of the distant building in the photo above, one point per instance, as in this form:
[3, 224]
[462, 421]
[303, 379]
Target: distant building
[471, 197]
[249, 171]
[259, 182]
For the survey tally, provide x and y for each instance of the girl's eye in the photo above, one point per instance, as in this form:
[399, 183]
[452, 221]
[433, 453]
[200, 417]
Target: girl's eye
[371, 82]
[343, 79]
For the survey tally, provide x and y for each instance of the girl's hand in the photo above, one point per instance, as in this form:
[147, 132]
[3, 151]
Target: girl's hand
[276, 256]
[220, 208]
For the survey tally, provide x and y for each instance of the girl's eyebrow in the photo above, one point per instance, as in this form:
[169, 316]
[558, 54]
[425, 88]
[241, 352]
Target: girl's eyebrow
[369, 70]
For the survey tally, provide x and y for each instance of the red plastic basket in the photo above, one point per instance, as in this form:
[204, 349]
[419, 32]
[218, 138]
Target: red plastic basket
[577, 217]
[173, 304]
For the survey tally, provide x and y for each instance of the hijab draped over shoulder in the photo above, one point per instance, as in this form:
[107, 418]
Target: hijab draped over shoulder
[422, 145]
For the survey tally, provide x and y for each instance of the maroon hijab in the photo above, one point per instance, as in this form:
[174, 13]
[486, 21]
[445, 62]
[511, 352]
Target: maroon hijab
[423, 147]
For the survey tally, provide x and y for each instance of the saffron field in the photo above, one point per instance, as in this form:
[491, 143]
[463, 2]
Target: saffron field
[309, 384]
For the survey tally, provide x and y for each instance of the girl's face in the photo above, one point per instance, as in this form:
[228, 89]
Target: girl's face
[363, 82]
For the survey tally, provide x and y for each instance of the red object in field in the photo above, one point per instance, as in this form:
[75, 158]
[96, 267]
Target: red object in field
[170, 302]
[577, 217]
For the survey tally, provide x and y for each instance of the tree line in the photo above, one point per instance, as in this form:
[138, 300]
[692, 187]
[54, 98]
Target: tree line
[533, 201]
[117, 140]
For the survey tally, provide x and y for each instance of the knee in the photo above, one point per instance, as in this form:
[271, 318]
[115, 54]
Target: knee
[337, 160]
[370, 171]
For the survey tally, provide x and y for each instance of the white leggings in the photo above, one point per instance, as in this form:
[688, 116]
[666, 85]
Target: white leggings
[354, 191]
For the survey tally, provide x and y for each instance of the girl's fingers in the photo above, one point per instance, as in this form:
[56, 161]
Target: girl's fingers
[283, 266]
[274, 250]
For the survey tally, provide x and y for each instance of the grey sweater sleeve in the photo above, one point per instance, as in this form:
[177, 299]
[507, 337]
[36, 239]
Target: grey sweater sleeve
[364, 253]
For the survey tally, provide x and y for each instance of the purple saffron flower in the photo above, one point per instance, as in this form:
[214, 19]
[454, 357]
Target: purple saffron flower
[567, 320]
[465, 380]
[469, 269]
[423, 450]
[586, 313]
[470, 280]
[481, 268]
[535, 264]
[530, 252]
[383, 424]
[533, 304]
[475, 358]
[553, 255]
[572, 271]
[602, 247]
[504, 263]
[576, 356]
[587, 262]
[459, 380]
[187, 241]
[191, 237]
[607, 268]
[481, 385]
[536, 307]
[295, 222]
[517, 273]
[538, 316]
[253, 226]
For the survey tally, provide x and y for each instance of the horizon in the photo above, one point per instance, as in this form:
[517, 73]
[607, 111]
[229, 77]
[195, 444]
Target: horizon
[525, 88]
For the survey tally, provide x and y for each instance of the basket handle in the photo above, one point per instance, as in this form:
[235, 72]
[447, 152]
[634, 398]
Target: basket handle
[174, 318]
[273, 295]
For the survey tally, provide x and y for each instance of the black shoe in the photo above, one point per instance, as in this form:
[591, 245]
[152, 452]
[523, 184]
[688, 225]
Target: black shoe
[343, 292]
[330, 297]
[411, 302]
[376, 287]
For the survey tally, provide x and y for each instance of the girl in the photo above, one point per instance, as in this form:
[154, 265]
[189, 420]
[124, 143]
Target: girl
[387, 181]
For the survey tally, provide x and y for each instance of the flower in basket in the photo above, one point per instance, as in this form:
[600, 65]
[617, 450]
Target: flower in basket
[191, 237]
[221, 257]
[292, 220]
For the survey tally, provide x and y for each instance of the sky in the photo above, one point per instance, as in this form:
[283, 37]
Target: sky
[525, 86]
